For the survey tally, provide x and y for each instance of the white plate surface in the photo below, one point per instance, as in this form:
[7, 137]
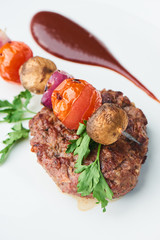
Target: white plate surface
[31, 206]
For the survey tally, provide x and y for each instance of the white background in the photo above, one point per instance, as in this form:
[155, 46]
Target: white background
[31, 206]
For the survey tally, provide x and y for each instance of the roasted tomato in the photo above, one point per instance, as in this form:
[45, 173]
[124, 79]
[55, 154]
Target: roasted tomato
[74, 101]
[12, 55]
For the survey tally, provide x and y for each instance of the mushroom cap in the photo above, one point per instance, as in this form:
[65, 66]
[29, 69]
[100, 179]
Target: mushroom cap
[107, 123]
[35, 73]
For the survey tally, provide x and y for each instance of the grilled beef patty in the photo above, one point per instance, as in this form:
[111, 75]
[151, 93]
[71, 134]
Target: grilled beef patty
[120, 162]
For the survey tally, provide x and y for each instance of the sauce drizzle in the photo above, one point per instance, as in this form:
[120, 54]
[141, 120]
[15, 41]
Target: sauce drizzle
[66, 39]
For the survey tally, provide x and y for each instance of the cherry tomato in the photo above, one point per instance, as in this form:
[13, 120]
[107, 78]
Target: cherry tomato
[12, 55]
[74, 101]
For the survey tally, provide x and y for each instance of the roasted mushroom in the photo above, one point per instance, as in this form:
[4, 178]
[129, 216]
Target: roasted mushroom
[107, 123]
[35, 73]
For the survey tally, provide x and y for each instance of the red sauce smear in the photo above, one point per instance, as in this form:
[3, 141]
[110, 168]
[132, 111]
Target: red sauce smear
[66, 39]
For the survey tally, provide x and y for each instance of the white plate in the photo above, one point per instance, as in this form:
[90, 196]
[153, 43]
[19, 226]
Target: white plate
[31, 206]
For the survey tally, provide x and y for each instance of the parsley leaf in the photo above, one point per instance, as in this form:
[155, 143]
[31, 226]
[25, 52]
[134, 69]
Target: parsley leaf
[83, 151]
[19, 132]
[72, 146]
[5, 103]
[88, 179]
[81, 129]
[27, 96]
[15, 111]
[91, 179]
[102, 191]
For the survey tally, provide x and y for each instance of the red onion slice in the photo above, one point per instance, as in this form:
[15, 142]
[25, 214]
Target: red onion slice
[56, 78]
[3, 38]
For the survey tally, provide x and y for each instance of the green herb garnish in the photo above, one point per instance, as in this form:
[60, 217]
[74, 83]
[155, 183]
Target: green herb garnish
[91, 179]
[18, 133]
[16, 110]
